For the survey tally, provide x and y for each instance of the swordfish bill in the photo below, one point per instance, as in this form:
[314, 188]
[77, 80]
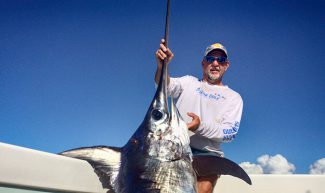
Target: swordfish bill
[156, 159]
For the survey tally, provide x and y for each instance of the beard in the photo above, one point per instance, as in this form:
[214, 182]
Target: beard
[214, 77]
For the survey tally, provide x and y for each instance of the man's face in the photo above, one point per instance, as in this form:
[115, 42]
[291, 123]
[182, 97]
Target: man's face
[214, 71]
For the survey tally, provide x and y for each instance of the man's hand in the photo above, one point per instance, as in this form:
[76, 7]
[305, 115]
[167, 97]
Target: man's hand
[195, 123]
[163, 53]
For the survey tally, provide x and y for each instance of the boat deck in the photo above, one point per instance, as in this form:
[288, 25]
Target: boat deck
[24, 170]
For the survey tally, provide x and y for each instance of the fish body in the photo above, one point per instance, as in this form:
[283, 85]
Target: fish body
[156, 159]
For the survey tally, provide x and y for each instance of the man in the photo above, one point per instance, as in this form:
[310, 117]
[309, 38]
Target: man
[211, 109]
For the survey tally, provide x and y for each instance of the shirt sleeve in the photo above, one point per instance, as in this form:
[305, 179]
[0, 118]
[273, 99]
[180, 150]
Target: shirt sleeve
[176, 86]
[227, 128]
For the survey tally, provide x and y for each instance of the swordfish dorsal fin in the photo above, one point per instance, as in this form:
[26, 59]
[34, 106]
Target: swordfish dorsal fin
[104, 159]
[219, 166]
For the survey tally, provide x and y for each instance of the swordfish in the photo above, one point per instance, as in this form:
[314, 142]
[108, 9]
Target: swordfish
[156, 159]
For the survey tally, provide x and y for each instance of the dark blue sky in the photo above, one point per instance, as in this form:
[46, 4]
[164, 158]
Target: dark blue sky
[80, 73]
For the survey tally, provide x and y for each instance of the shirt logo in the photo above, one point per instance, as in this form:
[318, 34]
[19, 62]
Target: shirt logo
[229, 134]
[211, 96]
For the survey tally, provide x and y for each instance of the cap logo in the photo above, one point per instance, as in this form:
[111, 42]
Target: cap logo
[216, 46]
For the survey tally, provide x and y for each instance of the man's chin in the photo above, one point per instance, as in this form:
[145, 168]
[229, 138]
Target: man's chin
[213, 77]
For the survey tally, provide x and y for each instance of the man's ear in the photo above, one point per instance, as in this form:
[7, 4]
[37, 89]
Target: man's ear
[202, 63]
[228, 64]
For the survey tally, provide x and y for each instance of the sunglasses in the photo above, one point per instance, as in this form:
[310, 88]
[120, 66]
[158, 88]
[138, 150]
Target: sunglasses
[219, 59]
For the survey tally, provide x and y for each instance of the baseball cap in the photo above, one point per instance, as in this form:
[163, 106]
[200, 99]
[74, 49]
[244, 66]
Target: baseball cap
[215, 46]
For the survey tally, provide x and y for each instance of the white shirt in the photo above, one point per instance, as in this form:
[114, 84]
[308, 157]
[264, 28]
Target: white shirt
[219, 108]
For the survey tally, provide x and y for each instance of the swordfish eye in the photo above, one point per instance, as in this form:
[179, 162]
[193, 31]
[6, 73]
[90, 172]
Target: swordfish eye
[156, 114]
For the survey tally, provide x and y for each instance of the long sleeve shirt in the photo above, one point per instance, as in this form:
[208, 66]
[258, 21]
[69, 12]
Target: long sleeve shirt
[219, 108]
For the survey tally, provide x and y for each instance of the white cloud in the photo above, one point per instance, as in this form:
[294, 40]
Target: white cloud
[318, 167]
[275, 164]
[269, 165]
[251, 168]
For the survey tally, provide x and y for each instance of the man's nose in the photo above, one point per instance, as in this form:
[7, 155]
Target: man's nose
[215, 63]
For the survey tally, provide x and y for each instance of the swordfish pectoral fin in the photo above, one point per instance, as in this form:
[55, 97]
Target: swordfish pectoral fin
[219, 166]
[105, 161]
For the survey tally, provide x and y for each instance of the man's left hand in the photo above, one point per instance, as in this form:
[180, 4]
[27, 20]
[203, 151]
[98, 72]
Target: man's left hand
[195, 123]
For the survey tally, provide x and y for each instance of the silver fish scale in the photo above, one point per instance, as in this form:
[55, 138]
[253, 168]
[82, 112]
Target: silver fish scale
[168, 177]
[167, 149]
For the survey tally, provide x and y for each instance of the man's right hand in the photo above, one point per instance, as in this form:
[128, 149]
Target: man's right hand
[163, 53]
